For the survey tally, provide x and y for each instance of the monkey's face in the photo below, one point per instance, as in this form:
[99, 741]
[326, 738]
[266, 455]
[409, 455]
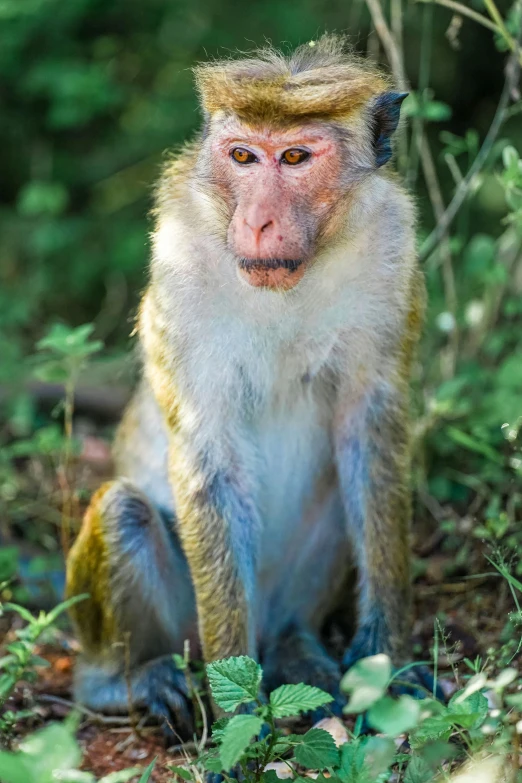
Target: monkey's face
[280, 187]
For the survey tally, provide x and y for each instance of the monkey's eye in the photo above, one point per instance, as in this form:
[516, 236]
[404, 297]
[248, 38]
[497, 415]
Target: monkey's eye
[295, 156]
[241, 155]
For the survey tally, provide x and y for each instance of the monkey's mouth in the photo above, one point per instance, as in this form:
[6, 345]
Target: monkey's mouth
[277, 274]
[290, 264]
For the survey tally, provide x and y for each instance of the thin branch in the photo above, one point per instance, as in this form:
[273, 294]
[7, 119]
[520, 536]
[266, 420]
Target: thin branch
[465, 11]
[389, 45]
[114, 720]
[512, 74]
[504, 32]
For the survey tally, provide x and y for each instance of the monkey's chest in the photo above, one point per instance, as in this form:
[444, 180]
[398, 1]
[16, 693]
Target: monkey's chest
[303, 536]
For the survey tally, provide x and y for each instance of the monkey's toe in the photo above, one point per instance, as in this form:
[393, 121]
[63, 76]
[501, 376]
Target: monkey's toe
[167, 701]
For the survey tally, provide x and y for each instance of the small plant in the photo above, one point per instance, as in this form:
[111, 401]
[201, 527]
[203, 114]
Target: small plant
[21, 660]
[64, 352]
[250, 741]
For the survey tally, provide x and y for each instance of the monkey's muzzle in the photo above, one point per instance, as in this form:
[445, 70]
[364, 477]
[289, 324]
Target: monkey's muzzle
[273, 273]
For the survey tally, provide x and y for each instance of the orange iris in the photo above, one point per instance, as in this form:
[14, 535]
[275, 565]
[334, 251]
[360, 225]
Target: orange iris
[295, 156]
[243, 156]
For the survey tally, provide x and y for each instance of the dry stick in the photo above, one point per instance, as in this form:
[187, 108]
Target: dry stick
[512, 74]
[115, 720]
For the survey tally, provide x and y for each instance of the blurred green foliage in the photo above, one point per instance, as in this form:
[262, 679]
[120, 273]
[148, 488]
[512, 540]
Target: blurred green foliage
[92, 92]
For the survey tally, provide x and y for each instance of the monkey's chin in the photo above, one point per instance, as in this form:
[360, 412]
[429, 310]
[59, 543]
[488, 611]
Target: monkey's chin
[275, 275]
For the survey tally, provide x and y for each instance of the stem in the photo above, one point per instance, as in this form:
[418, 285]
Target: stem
[497, 18]
[424, 79]
[512, 70]
[67, 499]
[465, 11]
[390, 47]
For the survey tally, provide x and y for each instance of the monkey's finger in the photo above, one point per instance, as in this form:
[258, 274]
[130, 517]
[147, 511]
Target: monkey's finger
[180, 712]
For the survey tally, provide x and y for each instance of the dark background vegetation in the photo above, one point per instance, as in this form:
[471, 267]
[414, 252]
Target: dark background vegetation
[92, 94]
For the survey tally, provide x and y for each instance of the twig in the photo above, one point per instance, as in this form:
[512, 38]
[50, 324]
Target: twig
[465, 11]
[504, 32]
[512, 74]
[390, 47]
[96, 716]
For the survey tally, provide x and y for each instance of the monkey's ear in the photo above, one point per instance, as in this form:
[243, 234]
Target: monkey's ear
[385, 114]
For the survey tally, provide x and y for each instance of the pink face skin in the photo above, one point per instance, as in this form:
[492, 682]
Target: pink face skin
[277, 206]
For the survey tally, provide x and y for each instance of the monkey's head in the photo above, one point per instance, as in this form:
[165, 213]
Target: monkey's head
[286, 142]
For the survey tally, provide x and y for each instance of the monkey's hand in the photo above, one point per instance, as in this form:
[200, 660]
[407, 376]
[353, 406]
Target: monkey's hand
[162, 691]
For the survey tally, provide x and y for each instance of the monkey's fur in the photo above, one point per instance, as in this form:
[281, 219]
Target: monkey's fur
[266, 451]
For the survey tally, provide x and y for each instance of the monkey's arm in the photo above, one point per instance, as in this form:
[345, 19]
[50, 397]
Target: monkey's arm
[216, 519]
[372, 450]
[218, 528]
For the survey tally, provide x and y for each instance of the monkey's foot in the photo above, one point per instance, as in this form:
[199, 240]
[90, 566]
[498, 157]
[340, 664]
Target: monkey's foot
[157, 688]
[298, 656]
[166, 698]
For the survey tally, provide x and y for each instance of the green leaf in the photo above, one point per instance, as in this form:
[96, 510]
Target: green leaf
[183, 773]
[148, 772]
[212, 763]
[317, 750]
[36, 660]
[218, 727]
[41, 755]
[122, 776]
[394, 716]
[58, 610]
[22, 611]
[292, 699]
[7, 683]
[366, 681]
[434, 728]
[470, 712]
[379, 753]
[236, 737]
[418, 771]
[352, 766]
[234, 681]
[42, 198]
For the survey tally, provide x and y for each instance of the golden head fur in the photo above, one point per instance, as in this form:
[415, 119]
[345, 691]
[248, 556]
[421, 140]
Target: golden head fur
[319, 79]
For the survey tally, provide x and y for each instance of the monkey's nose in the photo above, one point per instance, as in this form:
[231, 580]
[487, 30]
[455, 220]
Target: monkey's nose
[258, 229]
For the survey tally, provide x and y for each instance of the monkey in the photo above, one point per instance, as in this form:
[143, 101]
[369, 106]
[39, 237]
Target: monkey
[265, 456]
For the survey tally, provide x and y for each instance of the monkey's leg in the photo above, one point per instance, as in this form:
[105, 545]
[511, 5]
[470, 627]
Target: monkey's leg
[372, 457]
[141, 607]
[297, 655]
